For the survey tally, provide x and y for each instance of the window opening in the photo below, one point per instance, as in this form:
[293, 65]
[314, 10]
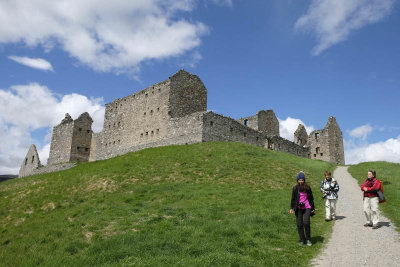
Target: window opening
[246, 122]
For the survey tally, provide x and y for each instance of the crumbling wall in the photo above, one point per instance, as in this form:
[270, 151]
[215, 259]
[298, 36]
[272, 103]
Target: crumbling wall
[30, 163]
[335, 141]
[187, 94]
[61, 140]
[219, 128]
[81, 138]
[300, 136]
[278, 143]
[137, 119]
[264, 121]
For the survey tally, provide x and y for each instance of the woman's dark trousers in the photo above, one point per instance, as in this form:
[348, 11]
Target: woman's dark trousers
[303, 223]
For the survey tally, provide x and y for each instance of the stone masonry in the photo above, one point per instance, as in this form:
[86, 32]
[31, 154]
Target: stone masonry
[175, 112]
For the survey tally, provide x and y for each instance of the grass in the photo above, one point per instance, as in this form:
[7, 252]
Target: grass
[196, 205]
[389, 174]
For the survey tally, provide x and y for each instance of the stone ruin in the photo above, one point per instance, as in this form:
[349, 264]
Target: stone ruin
[174, 112]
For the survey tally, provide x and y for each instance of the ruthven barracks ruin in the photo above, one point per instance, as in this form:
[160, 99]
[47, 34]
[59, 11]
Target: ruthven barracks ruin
[169, 113]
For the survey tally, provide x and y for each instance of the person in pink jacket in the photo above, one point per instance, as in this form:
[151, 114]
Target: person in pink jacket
[370, 188]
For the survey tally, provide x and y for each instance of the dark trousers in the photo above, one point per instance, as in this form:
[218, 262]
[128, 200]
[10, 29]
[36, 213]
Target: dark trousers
[303, 223]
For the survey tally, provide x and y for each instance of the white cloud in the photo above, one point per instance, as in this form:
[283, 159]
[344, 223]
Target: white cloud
[104, 35]
[332, 21]
[223, 2]
[289, 126]
[26, 108]
[388, 150]
[36, 63]
[361, 132]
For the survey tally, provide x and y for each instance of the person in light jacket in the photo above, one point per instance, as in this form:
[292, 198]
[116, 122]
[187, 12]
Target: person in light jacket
[329, 189]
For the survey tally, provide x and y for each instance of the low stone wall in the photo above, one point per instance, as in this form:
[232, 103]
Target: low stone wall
[283, 145]
[220, 128]
[50, 168]
[184, 130]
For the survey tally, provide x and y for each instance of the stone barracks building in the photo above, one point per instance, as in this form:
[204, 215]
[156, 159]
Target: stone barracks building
[174, 112]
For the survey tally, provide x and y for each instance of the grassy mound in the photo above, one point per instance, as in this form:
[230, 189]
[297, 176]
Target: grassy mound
[195, 205]
[389, 174]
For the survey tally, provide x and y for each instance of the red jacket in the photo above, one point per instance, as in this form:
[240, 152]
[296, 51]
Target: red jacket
[372, 186]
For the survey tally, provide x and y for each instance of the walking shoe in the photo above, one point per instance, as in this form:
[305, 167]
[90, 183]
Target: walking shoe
[375, 226]
[309, 243]
[368, 225]
[333, 218]
[327, 219]
[301, 243]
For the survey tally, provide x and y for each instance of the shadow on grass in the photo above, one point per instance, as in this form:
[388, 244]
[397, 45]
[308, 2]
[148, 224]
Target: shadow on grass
[317, 239]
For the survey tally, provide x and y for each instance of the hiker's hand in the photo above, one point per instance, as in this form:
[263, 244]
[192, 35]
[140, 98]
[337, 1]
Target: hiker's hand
[365, 189]
[291, 211]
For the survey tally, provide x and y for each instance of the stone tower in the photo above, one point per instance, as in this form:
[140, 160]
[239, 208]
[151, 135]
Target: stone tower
[300, 136]
[327, 144]
[30, 163]
[71, 140]
[264, 121]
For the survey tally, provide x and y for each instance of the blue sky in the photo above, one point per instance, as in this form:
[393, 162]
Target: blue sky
[306, 60]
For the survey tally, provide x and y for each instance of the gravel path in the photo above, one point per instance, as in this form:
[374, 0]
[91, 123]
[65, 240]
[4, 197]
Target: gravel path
[351, 243]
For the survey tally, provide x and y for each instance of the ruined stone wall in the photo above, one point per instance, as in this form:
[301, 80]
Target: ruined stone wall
[30, 163]
[61, 140]
[184, 130]
[147, 117]
[81, 138]
[268, 123]
[318, 142]
[137, 119]
[278, 143]
[264, 121]
[300, 136]
[51, 168]
[251, 122]
[327, 144]
[219, 128]
[335, 141]
[187, 94]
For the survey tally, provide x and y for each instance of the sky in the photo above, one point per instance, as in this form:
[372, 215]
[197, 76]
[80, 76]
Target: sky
[305, 59]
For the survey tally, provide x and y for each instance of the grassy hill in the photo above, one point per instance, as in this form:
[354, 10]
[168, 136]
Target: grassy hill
[194, 205]
[389, 174]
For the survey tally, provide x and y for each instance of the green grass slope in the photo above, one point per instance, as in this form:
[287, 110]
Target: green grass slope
[194, 205]
[389, 174]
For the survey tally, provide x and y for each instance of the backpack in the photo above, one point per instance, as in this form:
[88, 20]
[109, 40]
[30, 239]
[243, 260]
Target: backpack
[381, 197]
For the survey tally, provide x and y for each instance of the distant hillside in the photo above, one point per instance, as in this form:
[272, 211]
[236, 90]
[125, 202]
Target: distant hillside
[7, 177]
[194, 205]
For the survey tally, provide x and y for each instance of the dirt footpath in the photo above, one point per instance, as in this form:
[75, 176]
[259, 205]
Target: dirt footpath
[351, 243]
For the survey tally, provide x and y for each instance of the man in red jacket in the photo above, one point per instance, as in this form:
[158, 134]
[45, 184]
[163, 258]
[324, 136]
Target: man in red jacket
[370, 187]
